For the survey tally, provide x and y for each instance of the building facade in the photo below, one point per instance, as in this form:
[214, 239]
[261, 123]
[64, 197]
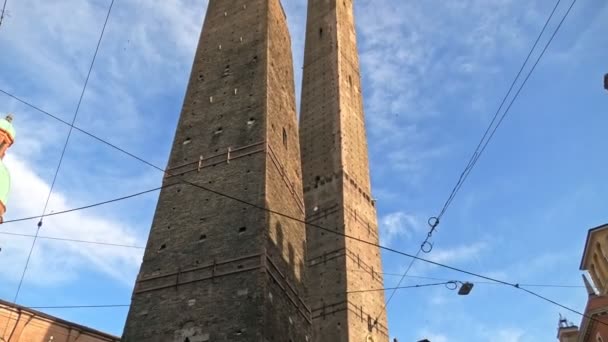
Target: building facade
[239, 268]
[216, 268]
[593, 327]
[337, 187]
[21, 324]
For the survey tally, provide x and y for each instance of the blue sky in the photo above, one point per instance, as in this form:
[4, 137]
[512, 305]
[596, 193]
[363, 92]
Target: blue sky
[434, 72]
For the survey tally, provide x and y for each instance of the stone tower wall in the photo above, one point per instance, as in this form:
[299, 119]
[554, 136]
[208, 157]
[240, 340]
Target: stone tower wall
[216, 269]
[336, 181]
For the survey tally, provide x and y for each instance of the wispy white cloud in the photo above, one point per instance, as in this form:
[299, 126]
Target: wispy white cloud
[145, 56]
[453, 256]
[397, 225]
[54, 263]
[420, 60]
[459, 253]
[146, 53]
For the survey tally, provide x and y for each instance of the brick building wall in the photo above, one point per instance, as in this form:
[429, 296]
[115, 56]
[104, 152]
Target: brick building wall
[595, 263]
[27, 325]
[593, 330]
[216, 269]
[336, 179]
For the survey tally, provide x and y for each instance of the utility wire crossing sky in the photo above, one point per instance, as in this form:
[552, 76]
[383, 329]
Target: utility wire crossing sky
[488, 135]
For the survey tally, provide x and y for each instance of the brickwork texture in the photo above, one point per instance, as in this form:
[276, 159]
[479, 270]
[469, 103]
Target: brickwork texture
[216, 269]
[337, 187]
[20, 324]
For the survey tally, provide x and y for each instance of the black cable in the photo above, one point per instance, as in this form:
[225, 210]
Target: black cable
[528, 76]
[479, 150]
[425, 247]
[78, 209]
[73, 240]
[483, 142]
[517, 286]
[562, 306]
[326, 229]
[476, 154]
[38, 109]
[140, 247]
[127, 305]
[401, 287]
[493, 280]
[87, 133]
[349, 292]
[63, 153]
[84, 88]
[3, 12]
[394, 291]
[476, 282]
[300, 220]
[88, 206]
[521, 87]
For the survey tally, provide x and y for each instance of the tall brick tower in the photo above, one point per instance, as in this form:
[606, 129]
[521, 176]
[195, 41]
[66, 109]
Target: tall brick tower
[216, 269]
[337, 188]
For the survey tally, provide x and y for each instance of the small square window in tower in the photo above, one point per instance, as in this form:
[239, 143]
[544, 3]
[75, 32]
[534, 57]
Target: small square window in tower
[284, 138]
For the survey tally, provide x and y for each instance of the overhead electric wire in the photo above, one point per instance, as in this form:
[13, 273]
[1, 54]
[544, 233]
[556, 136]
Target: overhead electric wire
[392, 250]
[528, 76]
[494, 280]
[447, 283]
[484, 142]
[63, 152]
[127, 305]
[142, 247]
[85, 132]
[313, 225]
[101, 243]
[78, 209]
[476, 157]
[3, 12]
[429, 247]
[434, 221]
[84, 89]
[389, 249]
[402, 287]
[88, 206]
[318, 226]
[394, 291]
[472, 281]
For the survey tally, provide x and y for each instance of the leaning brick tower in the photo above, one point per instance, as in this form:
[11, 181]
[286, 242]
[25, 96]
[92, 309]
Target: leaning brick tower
[336, 177]
[216, 269]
